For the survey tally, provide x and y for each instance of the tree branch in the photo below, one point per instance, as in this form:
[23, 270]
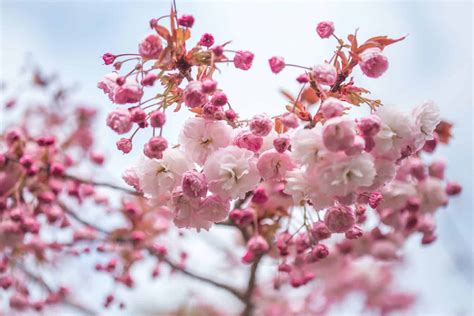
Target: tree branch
[101, 184]
[249, 304]
[48, 288]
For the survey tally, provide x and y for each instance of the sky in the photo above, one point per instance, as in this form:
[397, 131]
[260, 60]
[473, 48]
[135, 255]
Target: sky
[434, 62]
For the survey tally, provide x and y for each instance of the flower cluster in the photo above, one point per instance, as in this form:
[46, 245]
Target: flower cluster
[320, 192]
[314, 166]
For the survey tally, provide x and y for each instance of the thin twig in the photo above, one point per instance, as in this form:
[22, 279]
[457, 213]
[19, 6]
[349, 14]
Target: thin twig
[102, 184]
[48, 288]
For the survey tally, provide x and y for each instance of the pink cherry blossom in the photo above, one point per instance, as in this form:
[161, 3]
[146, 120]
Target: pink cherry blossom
[200, 137]
[373, 62]
[325, 74]
[339, 133]
[150, 47]
[277, 64]
[325, 29]
[274, 165]
[231, 172]
[243, 60]
[120, 121]
[193, 95]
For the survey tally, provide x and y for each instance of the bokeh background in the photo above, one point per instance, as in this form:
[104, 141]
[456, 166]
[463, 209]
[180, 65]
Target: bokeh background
[434, 62]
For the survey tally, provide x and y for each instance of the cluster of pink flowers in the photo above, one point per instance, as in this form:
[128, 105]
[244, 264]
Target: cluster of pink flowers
[325, 195]
[299, 178]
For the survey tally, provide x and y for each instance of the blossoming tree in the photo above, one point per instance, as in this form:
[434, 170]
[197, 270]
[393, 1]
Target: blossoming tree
[328, 197]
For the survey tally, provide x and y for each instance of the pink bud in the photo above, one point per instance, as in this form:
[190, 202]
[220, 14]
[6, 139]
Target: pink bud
[158, 144]
[437, 168]
[186, 20]
[354, 233]
[325, 74]
[193, 95]
[45, 141]
[147, 151]
[56, 169]
[276, 64]
[219, 99]
[97, 158]
[283, 241]
[453, 188]
[339, 218]
[218, 51]
[248, 140]
[208, 86]
[153, 23]
[206, 40]
[375, 199]
[332, 107]
[242, 217]
[137, 114]
[373, 62]
[124, 145]
[194, 184]
[325, 29]
[119, 120]
[281, 143]
[321, 251]
[12, 136]
[289, 120]
[259, 196]
[157, 119]
[230, 115]
[26, 161]
[369, 126]
[150, 47]
[243, 60]
[320, 231]
[258, 245]
[108, 58]
[430, 145]
[149, 79]
[261, 125]
[303, 78]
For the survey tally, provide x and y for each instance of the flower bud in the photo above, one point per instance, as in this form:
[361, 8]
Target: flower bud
[339, 218]
[325, 29]
[119, 120]
[150, 47]
[194, 184]
[193, 95]
[219, 99]
[108, 58]
[276, 64]
[208, 86]
[281, 143]
[186, 20]
[157, 119]
[373, 62]
[247, 140]
[261, 125]
[206, 40]
[124, 145]
[332, 107]
[243, 60]
[325, 74]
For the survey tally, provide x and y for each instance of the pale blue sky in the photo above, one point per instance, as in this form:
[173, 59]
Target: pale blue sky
[434, 62]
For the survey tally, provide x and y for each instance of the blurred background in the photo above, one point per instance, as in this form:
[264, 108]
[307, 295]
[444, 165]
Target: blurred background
[434, 62]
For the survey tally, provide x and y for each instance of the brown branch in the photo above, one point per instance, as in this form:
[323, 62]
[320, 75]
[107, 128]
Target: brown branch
[48, 288]
[249, 304]
[238, 294]
[101, 184]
